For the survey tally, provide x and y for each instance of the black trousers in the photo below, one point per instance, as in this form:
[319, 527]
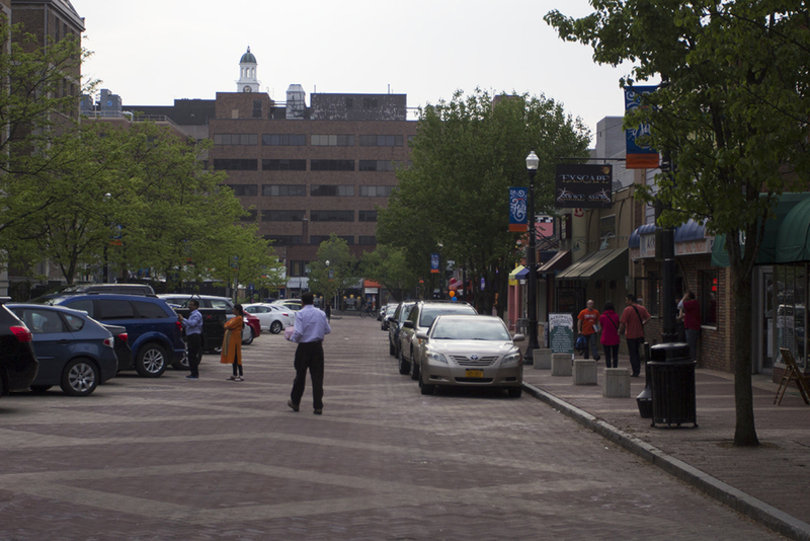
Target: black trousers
[633, 349]
[194, 342]
[308, 356]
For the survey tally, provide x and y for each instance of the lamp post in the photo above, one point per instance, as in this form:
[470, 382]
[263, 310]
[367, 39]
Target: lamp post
[532, 162]
[107, 197]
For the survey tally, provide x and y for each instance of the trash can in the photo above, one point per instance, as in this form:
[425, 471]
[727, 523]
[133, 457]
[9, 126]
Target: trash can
[672, 379]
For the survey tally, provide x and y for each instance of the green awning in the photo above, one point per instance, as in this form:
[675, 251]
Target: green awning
[601, 265]
[793, 240]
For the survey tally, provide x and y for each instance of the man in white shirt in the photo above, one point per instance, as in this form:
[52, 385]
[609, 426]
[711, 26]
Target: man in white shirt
[310, 328]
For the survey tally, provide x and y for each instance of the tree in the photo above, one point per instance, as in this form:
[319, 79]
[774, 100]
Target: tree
[341, 272]
[732, 112]
[389, 266]
[453, 200]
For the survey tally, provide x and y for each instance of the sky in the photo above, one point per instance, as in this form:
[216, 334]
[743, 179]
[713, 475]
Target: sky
[153, 52]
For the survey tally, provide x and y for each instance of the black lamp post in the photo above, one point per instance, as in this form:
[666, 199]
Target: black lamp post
[532, 162]
[106, 271]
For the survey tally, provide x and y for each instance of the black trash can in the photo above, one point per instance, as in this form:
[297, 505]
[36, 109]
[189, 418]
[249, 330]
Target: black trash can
[672, 378]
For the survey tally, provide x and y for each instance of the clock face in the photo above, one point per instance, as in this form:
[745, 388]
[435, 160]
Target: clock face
[246, 89]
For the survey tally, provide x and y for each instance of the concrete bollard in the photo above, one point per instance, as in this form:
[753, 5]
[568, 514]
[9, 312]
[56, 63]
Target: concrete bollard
[617, 383]
[561, 364]
[542, 359]
[584, 372]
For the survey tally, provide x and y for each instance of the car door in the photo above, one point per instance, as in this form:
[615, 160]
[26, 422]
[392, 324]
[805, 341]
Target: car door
[406, 333]
[52, 342]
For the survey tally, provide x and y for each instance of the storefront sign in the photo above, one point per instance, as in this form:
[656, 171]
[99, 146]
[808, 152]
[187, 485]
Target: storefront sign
[583, 186]
[561, 333]
[702, 246]
[647, 246]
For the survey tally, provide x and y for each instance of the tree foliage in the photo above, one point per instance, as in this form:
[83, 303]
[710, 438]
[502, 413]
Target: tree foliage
[733, 113]
[340, 274]
[388, 265]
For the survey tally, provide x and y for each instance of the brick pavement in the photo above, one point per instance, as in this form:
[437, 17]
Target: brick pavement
[773, 479]
[172, 459]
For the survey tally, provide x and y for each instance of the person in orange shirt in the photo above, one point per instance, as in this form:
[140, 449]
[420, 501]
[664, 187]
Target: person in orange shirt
[588, 327]
[232, 343]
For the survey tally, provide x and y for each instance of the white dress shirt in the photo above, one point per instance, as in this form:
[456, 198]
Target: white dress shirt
[310, 325]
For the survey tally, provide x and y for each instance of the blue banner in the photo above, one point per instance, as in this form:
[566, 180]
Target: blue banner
[434, 263]
[518, 209]
[639, 154]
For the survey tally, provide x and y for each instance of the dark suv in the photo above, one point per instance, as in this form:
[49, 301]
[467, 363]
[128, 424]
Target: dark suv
[154, 334]
[18, 363]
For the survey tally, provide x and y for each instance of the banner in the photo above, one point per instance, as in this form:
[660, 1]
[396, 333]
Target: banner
[434, 263]
[518, 209]
[583, 186]
[639, 154]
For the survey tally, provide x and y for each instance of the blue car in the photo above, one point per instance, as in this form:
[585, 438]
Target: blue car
[74, 351]
[154, 334]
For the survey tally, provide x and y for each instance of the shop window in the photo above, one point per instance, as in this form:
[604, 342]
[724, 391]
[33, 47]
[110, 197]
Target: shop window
[707, 296]
[648, 291]
[791, 297]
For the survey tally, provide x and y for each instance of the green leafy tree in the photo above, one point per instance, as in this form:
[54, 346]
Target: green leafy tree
[388, 265]
[245, 259]
[339, 275]
[453, 200]
[733, 114]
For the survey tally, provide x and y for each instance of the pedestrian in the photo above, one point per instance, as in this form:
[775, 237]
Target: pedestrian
[588, 325]
[328, 312]
[192, 326]
[609, 321]
[310, 328]
[690, 315]
[232, 343]
[633, 319]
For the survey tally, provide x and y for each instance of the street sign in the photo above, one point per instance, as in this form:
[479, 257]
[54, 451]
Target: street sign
[561, 333]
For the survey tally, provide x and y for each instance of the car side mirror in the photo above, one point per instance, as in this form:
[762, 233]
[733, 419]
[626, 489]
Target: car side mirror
[408, 324]
[421, 335]
[518, 338]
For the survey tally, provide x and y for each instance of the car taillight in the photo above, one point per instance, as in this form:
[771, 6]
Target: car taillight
[109, 342]
[179, 326]
[123, 336]
[22, 333]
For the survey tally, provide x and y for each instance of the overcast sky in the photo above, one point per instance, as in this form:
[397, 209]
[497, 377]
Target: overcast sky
[153, 52]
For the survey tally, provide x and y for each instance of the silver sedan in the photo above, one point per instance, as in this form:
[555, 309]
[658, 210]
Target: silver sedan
[470, 350]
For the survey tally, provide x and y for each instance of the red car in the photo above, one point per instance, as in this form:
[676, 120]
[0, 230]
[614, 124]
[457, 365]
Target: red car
[255, 327]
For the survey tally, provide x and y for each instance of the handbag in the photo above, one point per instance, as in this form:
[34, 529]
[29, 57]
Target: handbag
[581, 343]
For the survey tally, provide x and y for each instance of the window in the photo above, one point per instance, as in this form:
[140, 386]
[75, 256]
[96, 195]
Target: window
[113, 309]
[331, 216]
[326, 190]
[284, 190]
[317, 239]
[376, 191]
[236, 139]
[284, 165]
[331, 165]
[244, 190]
[149, 310]
[257, 108]
[284, 140]
[284, 240]
[223, 164]
[250, 216]
[367, 216]
[367, 239]
[349, 103]
[648, 290]
[332, 140]
[283, 215]
[381, 140]
[380, 165]
[708, 298]
[369, 103]
[298, 268]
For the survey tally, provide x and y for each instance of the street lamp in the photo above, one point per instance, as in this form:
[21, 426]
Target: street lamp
[107, 197]
[532, 162]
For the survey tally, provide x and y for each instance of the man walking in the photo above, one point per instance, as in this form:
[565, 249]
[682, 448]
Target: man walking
[633, 320]
[587, 319]
[193, 327]
[310, 328]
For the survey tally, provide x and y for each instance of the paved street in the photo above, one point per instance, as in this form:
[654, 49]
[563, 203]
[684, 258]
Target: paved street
[213, 459]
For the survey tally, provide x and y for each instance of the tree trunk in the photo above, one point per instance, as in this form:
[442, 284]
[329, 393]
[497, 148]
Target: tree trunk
[745, 434]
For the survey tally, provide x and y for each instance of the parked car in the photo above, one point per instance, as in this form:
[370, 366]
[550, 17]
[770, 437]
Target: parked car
[215, 311]
[394, 325]
[152, 327]
[292, 304]
[74, 351]
[272, 317]
[387, 310]
[470, 350]
[420, 318]
[86, 289]
[18, 362]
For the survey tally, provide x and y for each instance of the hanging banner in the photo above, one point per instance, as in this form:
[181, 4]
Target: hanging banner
[518, 209]
[434, 263]
[583, 186]
[639, 155]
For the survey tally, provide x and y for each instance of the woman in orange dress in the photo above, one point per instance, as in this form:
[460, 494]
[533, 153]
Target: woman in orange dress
[232, 343]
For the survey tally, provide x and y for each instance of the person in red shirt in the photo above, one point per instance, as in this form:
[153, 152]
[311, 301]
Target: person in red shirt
[587, 323]
[690, 314]
[609, 321]
[633, 320]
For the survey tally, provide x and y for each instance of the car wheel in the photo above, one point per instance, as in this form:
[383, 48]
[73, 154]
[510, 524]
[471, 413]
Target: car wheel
[515, 392]
[425, 388]
[151, 362]
[276, 327]
[404, 366]
[79, 378]
[39, 389]
[391, 349]
[248, 341]
[414, 368]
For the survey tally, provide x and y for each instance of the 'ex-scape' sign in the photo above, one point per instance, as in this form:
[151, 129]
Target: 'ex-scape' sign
[583, 186]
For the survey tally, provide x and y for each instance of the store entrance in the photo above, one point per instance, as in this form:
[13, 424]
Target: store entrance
[764, 321]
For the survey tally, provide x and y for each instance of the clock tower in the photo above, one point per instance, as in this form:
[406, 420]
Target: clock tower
[247, 73]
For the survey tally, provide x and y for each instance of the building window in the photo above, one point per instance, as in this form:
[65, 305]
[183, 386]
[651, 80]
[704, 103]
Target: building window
[284, 190]
[317, 239]
[244, 190]
[331, 215]
[250, 216]
[284, 165]
[283, 215]
[376, 191]
[299, 268]
[648, 290]
[284, 140]
[257, 108]
[367, 216]
[331, 190]
[380, 165]
[236, 139]
[284, 240]
[223, 164]
[369, 103]
[332, 140]
[381, 140]
[367, 239]
[331, 165]
[349, 103]
[708, 298]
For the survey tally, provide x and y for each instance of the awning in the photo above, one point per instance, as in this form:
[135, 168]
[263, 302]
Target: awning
[560, 261]
[602, 265]
[690, 231]
[635, 237]
[513, 274]
[793, 239]
[522, 273]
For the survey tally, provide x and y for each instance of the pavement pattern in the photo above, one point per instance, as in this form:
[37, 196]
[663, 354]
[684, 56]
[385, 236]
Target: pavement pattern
[173, 459]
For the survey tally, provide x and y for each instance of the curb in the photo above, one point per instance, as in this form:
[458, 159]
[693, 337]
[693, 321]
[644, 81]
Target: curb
[757, 510]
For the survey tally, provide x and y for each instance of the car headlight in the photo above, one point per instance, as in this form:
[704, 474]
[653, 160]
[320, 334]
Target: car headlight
[513, 358]
[436, 357]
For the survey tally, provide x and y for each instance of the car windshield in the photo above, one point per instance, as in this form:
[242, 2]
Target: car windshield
[470, 329]
[430, 313]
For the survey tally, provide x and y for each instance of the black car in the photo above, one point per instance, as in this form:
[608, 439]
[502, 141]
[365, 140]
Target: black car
[394, 324]
[18, 362]
[87, 289]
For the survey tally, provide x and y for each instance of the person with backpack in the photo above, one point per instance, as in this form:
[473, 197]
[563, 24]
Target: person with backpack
[633, 320]
[609, 320]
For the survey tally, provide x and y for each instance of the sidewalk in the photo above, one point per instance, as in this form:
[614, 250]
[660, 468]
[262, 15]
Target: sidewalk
[770, 484]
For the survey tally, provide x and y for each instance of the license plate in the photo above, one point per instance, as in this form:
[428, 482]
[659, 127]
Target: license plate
[475, 373]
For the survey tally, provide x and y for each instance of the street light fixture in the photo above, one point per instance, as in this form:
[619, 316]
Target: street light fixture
[106, 199]
[532, 163]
